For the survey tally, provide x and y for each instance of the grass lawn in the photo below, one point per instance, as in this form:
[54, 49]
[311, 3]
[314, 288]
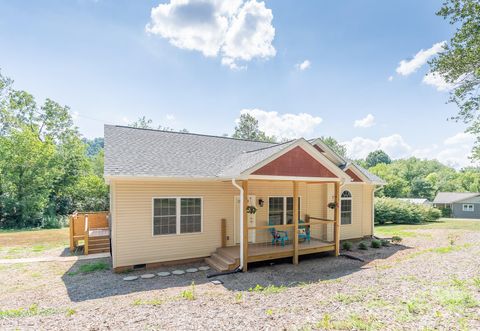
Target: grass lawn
[410, 230]
[26, 243]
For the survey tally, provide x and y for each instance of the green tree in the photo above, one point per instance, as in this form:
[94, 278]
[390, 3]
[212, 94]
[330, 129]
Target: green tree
[459, 63]
[338, 148]
[421, 188]
[376, 157]
[44, 160]
[247, 128]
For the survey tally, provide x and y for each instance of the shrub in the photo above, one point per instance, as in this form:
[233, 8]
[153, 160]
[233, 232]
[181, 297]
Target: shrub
[396, 239]
[384, 242]
[346, 245]
[54, 222]
[376, 243]
[389, 210]
[363, 246]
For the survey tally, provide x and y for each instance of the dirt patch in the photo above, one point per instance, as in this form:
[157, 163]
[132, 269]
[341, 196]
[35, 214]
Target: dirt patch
[427, 282]
[19, 244]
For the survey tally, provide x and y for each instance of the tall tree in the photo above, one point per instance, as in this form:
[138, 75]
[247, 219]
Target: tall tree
[459, 63]
[376, 157]
[338, 148]
[247, 128]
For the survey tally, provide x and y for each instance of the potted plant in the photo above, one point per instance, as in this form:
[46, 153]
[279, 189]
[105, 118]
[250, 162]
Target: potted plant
[251, 209]
[332, 205]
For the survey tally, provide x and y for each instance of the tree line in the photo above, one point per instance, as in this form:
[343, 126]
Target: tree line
[47, 170]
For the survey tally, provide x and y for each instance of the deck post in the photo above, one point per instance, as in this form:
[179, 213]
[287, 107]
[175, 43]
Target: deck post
[245, 225]
[223, 232]
[72, 233]
[337, 219]
[295, 222]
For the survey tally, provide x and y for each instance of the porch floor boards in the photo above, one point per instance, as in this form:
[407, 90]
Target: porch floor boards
[265, 251]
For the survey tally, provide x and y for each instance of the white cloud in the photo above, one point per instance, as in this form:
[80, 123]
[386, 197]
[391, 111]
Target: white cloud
[390, 78]
[235, 30]
[304, 65]
[461, 138]
[125, 120]
[170, 117]
[437, 81]
[288, 126]
[366, 122]
[406, 68]
[393, 145]
[454, 151]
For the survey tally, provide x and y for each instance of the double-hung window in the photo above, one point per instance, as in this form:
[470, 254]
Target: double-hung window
[177, 215]
[346, 208]
[467, 207]
[280, 210]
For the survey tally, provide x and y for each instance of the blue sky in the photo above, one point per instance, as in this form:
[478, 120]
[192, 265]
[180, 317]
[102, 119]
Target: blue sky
[197, 66]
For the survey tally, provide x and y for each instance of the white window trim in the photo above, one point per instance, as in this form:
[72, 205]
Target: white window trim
[351, 211]
[284, 207]
[468, 209]
[178, 209]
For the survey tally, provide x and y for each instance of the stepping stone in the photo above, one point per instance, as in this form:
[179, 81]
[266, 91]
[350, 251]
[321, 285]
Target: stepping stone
[191, 270]
[178, 272]
[164, 273]
[130, 278]
[204, 268]
[147, 276]
[216, 282]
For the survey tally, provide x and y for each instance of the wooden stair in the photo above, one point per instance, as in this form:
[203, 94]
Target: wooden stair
[99, 244]
[221, 260]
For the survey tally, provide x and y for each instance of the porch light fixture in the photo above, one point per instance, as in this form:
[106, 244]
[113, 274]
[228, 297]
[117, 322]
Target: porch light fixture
[261, 202]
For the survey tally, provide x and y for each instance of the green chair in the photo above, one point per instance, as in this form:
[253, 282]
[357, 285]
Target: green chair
[303, 231]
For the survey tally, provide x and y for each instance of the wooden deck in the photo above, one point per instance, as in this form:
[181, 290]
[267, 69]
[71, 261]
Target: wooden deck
[266, 251]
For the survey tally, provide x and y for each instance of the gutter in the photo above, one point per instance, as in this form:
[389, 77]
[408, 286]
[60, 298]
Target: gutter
[234, 183]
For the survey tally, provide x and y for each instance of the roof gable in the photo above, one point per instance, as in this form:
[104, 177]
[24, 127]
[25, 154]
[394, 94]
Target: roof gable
[354, 176]
[296, 163]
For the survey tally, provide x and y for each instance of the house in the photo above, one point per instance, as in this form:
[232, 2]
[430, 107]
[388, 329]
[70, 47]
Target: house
[416, 201]
[461, 204]
[181, 197]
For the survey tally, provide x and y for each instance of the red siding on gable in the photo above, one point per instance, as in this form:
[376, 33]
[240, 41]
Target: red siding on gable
[318, 148]
[353, 175]
[296, 163]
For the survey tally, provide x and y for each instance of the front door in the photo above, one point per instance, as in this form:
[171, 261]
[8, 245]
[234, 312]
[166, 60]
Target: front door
[252, 220]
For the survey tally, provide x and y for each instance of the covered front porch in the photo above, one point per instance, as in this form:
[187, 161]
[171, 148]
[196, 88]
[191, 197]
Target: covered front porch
[311, 223]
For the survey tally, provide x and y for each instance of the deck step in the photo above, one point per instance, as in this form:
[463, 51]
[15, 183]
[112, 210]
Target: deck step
[222, 261]
[98, 250]
[216, 264]
[222, 258]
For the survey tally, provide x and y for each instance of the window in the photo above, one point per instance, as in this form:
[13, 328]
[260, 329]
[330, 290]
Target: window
[177, 215]
[280, 210]
[467, 207]
[346, 208]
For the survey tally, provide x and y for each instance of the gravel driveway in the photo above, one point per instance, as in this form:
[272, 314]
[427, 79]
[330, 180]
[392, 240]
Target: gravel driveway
[430, 281]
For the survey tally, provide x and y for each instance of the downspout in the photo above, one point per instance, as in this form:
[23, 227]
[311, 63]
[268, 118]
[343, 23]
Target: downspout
[234, 183]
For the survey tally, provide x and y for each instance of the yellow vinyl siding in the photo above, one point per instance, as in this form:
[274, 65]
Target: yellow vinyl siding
[131, 208]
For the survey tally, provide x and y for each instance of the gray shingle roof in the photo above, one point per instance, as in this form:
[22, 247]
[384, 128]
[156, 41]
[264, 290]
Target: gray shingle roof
[372, 177]
[143, 152]
[156, 153]
[450, 197]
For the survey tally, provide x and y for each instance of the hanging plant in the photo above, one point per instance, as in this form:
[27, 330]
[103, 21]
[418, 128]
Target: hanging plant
[332, 205]
[251, 209]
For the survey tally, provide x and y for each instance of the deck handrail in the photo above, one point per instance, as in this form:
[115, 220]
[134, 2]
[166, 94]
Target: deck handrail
[266, 227]
[326, 220]
[85, 247]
